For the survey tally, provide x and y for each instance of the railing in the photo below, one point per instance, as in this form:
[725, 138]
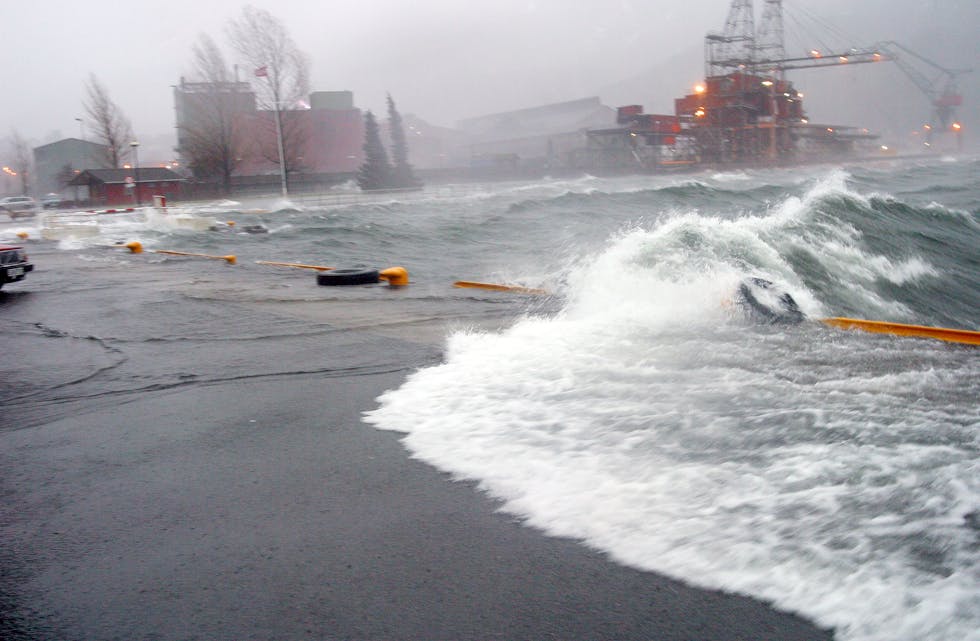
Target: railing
[342, 198]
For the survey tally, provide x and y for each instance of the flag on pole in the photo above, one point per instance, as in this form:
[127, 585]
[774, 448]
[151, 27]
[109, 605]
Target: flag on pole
[262, 71]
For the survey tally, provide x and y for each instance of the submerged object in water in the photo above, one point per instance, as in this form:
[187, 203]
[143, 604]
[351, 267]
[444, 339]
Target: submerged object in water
[246, 229]
[764, 302]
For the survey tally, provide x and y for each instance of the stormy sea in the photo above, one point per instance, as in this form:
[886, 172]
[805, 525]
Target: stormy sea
[635, 405]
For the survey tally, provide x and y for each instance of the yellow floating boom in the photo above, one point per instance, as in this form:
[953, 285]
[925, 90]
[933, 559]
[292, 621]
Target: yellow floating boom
[297, 265]
[230, 258]
[136, 247]
[500, 288]
[965, 336]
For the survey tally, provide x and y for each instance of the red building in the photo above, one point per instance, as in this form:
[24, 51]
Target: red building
[316, 141]
[128, 187]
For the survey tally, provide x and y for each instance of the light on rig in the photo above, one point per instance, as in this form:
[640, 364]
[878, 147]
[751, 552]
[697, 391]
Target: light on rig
[698, 88]
[699, 113]
[957, 126]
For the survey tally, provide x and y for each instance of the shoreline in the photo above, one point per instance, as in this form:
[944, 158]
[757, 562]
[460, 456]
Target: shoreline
[209, 502]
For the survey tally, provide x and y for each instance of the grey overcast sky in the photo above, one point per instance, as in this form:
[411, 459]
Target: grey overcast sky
[442, 60]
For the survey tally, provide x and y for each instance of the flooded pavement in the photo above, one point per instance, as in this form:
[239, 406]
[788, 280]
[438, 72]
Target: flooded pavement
[181, 459]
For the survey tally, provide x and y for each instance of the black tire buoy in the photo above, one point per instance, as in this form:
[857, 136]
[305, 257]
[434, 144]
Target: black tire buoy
[348, 277]
[763, 301]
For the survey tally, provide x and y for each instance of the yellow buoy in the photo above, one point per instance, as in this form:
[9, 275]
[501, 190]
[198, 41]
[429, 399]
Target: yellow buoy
[22, 235]
[396, 276]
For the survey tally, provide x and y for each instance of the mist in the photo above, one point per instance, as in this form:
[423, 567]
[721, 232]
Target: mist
[446, 61]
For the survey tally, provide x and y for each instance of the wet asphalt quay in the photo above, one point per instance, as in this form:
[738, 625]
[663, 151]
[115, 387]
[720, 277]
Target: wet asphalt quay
[180, 460]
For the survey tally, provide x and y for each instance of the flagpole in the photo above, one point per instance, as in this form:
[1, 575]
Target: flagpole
[263, 71]
[282, 158]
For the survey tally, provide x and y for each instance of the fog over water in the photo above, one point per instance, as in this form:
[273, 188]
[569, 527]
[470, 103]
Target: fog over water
[445, 61]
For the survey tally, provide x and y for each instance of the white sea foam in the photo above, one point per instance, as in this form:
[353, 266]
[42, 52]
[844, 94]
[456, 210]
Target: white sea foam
[730, 176]
[833, 475]
[285, 204]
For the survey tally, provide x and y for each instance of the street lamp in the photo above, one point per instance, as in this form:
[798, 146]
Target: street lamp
[136, 169]
[81, 128]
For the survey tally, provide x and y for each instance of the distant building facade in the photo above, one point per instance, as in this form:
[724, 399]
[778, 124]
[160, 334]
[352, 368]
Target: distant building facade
[197, 103]
[57, 163]
[430, 146]
[549, 136]
[327, 138]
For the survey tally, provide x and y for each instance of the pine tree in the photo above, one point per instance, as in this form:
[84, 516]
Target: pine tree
[402, 177]
[376, 172]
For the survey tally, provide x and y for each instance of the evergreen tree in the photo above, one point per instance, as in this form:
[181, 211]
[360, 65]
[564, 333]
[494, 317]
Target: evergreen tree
[376, 171]
[402, 176]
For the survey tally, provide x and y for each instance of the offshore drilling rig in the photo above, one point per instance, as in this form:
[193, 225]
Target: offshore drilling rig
[747, 112]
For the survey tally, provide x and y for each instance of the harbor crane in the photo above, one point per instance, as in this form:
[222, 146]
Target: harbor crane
[746, 111]
[941, 90]
[745, 76]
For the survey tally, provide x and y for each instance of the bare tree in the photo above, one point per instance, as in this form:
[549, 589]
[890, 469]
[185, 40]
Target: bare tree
[207, 135]
[21, 157]
[281, 77]
[110, 125]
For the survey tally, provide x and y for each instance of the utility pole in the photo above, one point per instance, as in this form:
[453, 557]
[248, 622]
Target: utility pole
[136, 170]
[263, 72]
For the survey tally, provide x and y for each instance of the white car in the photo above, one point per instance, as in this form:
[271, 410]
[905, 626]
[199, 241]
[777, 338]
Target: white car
[15, 206]
[51, 201]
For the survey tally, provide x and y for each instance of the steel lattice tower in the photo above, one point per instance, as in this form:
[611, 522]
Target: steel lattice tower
[769, 38]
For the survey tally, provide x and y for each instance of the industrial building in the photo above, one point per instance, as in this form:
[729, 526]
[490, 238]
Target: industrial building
[746, 111]
[551, 136]
[323, 138]
[57, 163]
[326, 138]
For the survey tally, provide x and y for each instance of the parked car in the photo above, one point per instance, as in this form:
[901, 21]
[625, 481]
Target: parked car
[51, 201]
[13, 264]
[15, 206]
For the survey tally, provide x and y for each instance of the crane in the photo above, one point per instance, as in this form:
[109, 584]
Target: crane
[741, 47]
[760, 51]
[941, 90]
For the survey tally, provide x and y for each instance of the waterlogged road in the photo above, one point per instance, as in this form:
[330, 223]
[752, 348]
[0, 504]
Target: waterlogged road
[181, 458]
